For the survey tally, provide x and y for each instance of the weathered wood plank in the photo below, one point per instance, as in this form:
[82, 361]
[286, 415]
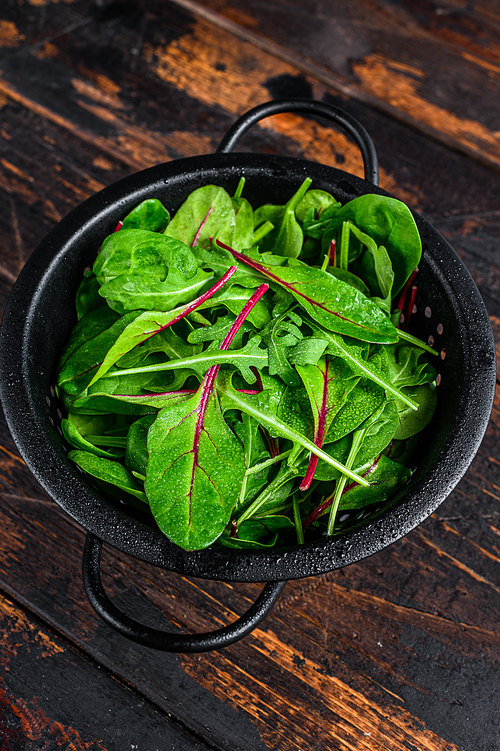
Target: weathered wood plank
[52, 696]
[33, 135]
[435, 67]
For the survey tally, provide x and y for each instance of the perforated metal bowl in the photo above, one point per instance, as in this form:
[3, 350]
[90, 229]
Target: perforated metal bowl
[40, 315]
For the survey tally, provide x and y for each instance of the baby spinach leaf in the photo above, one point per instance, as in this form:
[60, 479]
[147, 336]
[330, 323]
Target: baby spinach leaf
[390, 223]
[410, 422]
[207, 212]
[258, 533]
[108, 471]
[243, 236]
[151, 214]
[286, 238]
[87, 296]
[76, 439]
[143, 292]
[141, 252]
[136, 454]
[385, 478]
[314, 204]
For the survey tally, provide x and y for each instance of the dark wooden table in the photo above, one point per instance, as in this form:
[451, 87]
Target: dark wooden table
[398, 652]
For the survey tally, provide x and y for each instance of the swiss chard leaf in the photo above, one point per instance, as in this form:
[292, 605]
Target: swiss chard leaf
[328, 386]
[256, 407]
[334, 304]
[196, 465]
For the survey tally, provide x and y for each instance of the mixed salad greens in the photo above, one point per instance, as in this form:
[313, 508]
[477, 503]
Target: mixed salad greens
[248, 374]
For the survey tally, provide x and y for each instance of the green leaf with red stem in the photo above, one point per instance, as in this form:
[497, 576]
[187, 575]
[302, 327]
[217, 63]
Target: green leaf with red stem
[328, 384]
[197, 464]
[331, 302]
[152, 322]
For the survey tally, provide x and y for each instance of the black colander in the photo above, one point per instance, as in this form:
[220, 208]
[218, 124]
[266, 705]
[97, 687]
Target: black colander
[40, 315]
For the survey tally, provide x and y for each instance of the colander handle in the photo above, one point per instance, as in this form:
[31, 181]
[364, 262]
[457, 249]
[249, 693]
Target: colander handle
[306, 107]
[164, 640]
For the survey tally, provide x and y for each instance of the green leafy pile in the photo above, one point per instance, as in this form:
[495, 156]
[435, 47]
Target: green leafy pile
[244, 373]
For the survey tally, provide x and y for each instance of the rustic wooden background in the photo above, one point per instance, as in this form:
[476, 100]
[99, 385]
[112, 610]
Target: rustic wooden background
[399, 652]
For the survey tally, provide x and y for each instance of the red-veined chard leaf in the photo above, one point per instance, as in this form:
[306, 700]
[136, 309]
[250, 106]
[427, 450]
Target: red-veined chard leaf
[334, 304]
[149, 323]
[328, 384]
[352, 353]
[196, 464]
[256, 407]
[207, 212]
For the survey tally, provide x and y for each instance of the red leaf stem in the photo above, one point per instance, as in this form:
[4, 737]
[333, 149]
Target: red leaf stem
[118, 226]
[201, 227]
[404, 293]
[332, 253]
[410, 306]
[207, 385]
[319, 435]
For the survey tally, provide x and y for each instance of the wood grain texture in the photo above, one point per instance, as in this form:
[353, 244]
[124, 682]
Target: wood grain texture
[434, 66]
[400, 651]
[53, 697]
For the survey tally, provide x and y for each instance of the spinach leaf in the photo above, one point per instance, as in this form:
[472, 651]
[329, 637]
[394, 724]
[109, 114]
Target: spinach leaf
[137, 292]
[87, 296]
[207, 212]
[410, 422]
[142, 252]
[390, 223]
[108, 471]
[151, 214]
